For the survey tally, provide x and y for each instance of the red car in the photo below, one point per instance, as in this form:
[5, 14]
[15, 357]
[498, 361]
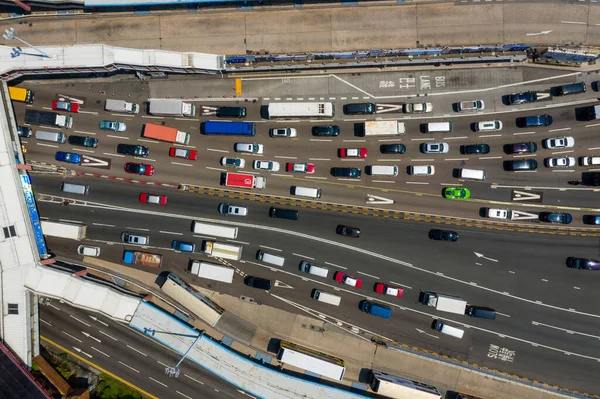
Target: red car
[139, 168]
[343, 278]
[65, 106]
[387, 290]
[300, 167]
[183, 153]
[148, 198]
[352, 152]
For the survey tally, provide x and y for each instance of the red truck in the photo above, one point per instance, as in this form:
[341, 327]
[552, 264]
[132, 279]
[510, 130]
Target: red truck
[242, 180]
[165, 133]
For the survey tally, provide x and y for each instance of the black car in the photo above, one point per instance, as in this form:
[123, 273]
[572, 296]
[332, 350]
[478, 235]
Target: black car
[348, 231]
[520, 164]
[330, 130]
[392, 148]
[552, 217]
[346, 172]
[591, 219]
[132, 149]
[283, 213]
[24, 131]
[475, 149]
[83, 141]
[522, 98]
[258, 282]
[359, 108]
[443, 235]
[582, 263]
[520, 148]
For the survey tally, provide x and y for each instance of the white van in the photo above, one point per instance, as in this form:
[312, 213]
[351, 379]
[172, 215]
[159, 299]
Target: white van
[73, 188]
[474, 174]
[382, 170]
[316, 270]
[270, 258]
[121, 106]
[438, 127]
[55, 137]
[209, 229]
[212, 271]
[439, 325]
[326, 297]
[421, 170]
[306, 192]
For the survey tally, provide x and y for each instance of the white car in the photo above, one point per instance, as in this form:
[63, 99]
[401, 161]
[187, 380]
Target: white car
[235, 162]
[559, 162]
[251, 148]
[497, 214]
[87, 250]
[434, 148]
[283, 132]
[421, 170]
[418, 108]
[488, 126]
[589, 161]
[559, 142]
[266, 165]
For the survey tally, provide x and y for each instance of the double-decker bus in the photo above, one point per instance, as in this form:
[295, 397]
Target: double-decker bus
[311, 360]
[401, 388]
[300, 110]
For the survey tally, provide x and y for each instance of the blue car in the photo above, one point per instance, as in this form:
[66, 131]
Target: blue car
[183, 246]
[550, 217]
[69, 157]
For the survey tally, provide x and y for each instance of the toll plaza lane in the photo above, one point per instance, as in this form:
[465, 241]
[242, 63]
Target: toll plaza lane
[119, 350]
[289, 150]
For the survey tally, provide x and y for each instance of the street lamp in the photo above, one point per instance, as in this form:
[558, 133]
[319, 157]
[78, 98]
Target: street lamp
[10, 34]
[173, 371]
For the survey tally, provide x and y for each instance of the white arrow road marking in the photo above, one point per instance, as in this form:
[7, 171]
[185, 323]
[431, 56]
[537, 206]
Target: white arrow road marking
[91, 336]
[544, 32]
[91, 161]
[282, 285]
[520, 215]
[525, 196]
[374, 199]
[423, 332]
[80, 351]
[484, 257]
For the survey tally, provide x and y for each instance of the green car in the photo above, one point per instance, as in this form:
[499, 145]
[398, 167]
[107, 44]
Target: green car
[459, 193]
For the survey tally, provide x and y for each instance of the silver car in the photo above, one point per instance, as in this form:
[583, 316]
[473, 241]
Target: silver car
[435, 148]
[251, 148]
[228, 209]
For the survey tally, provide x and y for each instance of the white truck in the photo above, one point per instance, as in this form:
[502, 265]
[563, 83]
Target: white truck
[212, 271]
[443, 303]
[221, 250]
[502, 214]
[172, 108]
[384, 128]
[121, 106]
[64, 230]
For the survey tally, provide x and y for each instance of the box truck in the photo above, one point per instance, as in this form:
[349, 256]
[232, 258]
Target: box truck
[172, 108]
[444, 303]
[165, 133]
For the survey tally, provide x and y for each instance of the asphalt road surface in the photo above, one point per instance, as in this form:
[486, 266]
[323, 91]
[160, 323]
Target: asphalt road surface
[109, 345]
[545, 310]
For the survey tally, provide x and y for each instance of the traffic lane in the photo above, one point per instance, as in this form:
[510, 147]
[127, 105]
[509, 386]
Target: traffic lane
[133, 350]
[533, 361]
[322, 224]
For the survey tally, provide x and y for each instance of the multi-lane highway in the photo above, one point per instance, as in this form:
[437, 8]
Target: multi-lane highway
[547, 318]
[522, 276]
[110, 346]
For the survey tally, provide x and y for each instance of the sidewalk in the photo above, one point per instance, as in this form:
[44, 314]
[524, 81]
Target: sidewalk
[258, 324]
